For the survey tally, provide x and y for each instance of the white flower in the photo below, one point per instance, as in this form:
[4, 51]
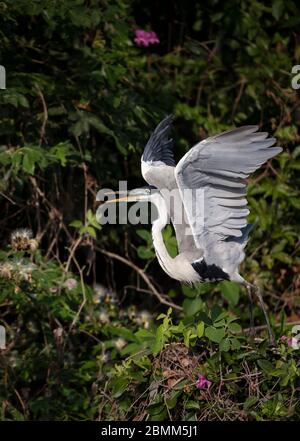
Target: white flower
[25, 272]
[21, 239]
[131, 312]
[103, 317]
[104, 357]
[120, 343]
[24, 233]
[103, 295]
[99, 293]
[33, 244]
[143, 319]
[6, 270]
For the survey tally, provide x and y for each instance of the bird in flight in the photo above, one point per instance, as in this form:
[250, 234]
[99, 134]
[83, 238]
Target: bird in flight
[208, 185]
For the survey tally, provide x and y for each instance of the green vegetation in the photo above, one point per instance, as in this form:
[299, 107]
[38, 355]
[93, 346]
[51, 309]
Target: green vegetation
[94, 328]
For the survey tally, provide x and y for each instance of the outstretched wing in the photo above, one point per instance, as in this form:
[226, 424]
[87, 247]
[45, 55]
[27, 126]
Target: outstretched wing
[159, 148]
[158, 167]
[218, 167]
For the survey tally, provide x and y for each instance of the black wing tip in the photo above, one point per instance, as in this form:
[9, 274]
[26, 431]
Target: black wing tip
[166, 122]
[160, 147]
[169, 117]
[209, 272]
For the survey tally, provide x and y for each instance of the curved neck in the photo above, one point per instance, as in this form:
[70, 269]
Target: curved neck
[165, 260]
[178, 268]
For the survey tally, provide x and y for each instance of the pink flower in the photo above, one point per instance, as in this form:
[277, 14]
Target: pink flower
[70, 284]
[203, 383]
[292, 342]
[144, 38]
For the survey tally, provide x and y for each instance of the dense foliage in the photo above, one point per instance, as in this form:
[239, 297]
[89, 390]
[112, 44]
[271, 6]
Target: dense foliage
[94, 328]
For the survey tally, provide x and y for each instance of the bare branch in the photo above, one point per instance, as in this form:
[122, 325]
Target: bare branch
[45, 111]
[141, 273]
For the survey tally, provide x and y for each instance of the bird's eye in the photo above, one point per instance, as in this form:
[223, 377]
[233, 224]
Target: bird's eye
[151, 188]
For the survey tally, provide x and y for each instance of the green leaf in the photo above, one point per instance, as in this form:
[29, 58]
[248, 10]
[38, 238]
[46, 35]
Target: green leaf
[217, 313]
[90, 230]
[155, 409]
[225, 345]
[277, 9]
[145, 234]
[144, 333]
[189, 291]
[250, 402]
[159, 340]
[266, 366]
[123, 332]
[188, 335]
[161, 316]
[192, 306]
[204, 318]
[235, 328]
[145, 253]
[91, 218]
[230, 291]
[215, 335]
[235, 344]
[29, 164]
[192, 405]
[171, 402]
[200, 329]
[160, 416]
[76, 224]
[119, 387]
[282, 257]
[61, 152]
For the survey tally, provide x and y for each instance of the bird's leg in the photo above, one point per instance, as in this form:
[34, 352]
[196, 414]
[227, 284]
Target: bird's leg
[271, 335]
[256, 289]
[262, 305]
[249, 292]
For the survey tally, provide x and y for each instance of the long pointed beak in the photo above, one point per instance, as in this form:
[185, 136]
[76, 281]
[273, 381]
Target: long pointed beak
[101, 195]
[124, 199]
[115, 192]
[133, 196]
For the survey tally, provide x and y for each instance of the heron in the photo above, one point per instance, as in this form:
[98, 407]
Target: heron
[218, 166]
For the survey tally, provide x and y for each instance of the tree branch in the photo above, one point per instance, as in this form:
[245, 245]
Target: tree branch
[144, 276]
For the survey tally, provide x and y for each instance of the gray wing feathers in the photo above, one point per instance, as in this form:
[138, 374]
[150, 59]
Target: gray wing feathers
[158, 167]
[219, 166]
